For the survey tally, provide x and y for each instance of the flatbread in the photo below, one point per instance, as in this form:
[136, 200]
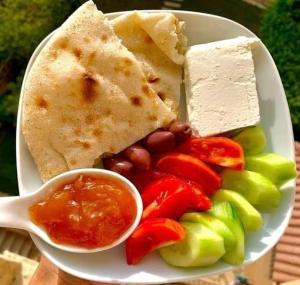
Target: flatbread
[86, 95]
[158, 42]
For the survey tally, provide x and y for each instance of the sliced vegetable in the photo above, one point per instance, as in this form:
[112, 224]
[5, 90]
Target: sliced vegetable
[256, 188]
[150, 235]
[252, 139]
[141, 178]
[190, 168]
[201, 247]
[217, 150]
[200, 201]
[165, 185]
[169, 184]
[273, 166]
[227, 214]
[215, 225]
[170, 205]
[250, 217]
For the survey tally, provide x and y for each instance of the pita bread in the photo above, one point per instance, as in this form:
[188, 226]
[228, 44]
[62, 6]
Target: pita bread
[154, 40]
[86, 95]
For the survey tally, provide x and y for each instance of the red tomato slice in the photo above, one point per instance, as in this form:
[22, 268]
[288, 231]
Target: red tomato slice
[190, 168]
[200, 201]
[170, 184]
[140, 178]
[170, 205]
[167, 184]
[216, 150]
[150, 235]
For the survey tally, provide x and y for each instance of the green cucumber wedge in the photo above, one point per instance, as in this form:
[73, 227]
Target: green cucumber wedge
[201, 247]
[275, 167]
[250, 217]
[256, 188]
[228, 215]
[215, 225]
[252, 139]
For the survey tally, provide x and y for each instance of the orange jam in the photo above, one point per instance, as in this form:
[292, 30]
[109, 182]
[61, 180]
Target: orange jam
[89, 212]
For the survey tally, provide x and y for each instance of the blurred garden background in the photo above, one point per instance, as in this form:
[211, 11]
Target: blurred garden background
[24, 23]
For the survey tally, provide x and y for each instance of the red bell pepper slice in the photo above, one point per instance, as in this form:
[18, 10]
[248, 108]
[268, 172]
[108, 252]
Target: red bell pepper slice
[216, 150]
[190, 168]
[150, 235]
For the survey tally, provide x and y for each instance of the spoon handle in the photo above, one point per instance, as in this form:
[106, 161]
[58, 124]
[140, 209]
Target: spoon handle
[13, 213]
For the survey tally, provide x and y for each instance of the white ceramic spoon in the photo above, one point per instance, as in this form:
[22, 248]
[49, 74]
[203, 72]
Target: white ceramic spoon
[14, 210]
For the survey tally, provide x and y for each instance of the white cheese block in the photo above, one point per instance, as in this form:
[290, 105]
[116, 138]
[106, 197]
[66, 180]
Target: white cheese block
[220, 86]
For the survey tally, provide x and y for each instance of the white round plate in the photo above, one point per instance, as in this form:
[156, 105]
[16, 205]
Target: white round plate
[110, 266]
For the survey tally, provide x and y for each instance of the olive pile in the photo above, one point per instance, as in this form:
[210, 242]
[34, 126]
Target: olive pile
[139, 154]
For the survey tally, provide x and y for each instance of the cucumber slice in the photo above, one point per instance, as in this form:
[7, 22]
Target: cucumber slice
[228, 215]
[252, 139]
[273, 166]
[215, 225]
[250, 217]
[257, 189]
[201, 247]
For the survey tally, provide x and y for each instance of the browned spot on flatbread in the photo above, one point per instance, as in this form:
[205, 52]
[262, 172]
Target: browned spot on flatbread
[97, 132]
[104, 37]
[89, 84]
[112, 149]
[89, 119]
[77, 131]
[148, 39]
[152, 117]
[127, 61]
[86, 39]
[152, 78]
[124, 66]
[77, 52]
[73, 162]
[127, 73]
[136, 101]
[107, 112]
[146, 89]
[92, 56]
[41, 102]
[84, 145]
[62, 43]
[161, 95]
[53, 54]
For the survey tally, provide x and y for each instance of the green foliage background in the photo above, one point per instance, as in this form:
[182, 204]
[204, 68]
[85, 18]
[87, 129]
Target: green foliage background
[281, 33]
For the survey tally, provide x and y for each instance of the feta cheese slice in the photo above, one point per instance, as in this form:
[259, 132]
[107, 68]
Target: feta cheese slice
[220, 86]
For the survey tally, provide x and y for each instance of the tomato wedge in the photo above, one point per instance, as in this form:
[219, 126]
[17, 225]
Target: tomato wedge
[216, 150]
[169, 184]
[200, 201]
[166, 185]
[190, 168]
[170, 204]
[150, 235]
[141, 178]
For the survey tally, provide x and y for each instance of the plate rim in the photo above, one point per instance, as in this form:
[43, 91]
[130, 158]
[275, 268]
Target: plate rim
[163, 280]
